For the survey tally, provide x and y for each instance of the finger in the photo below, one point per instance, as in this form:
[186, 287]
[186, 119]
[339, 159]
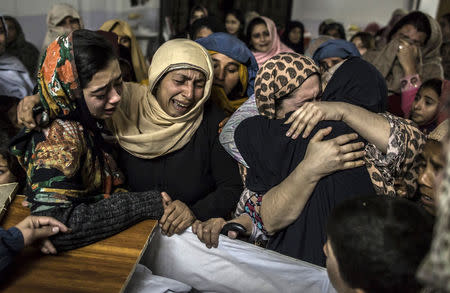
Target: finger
[195, 226]
[176, 225]
[312, 122]
[166, 198]
[168, 225]
[232, 234]
[45, 232]
[293, 116]
[215, 234]
[299, 122]
[200, 232]
[207, 236]
[48, 221]
[321, 134]
[351, 147]
[25, 203]
[353, 156]
[167, 212]
[182, 227]
[353, 164]
[345, 138]
[47, 247]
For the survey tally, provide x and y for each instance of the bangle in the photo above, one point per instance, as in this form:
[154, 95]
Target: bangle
[410, 82]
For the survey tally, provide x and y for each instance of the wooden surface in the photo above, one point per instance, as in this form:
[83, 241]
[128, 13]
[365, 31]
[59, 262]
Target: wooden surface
[105, 266]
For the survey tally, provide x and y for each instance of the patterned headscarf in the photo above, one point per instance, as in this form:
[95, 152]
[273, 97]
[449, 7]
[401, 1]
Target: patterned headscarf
[280, 76]
[58, 82]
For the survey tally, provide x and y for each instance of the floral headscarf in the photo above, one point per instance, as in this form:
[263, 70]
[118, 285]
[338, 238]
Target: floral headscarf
[58, 82]
[280, 76]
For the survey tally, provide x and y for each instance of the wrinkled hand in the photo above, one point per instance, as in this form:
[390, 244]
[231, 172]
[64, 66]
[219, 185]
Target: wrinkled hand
[25, 111]
[35, 228]
[177, 216]
[222, 124]
[208, 231]
[407, 56]
[325, 157]
[311, 113]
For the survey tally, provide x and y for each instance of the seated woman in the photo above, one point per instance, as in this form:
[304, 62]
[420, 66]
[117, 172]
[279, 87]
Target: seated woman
[235, 69]
[355, 82]
[169, 140]
[127, 39]
[61, 19]
[428, 106]
[17, 46]
[411, 54]
[293, 36]
[171, 126]
[71, 175]
[263, 39]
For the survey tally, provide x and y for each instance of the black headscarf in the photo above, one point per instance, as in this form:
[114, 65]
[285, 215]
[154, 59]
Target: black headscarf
[359, 83]
[298, 48]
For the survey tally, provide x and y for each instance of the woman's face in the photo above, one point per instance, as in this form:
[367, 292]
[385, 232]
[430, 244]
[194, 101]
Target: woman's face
[226, 72]
[307, 92]
[260, 38]
[103, 92]
[5, 174]
[359, 45]
[180, 90]
[295, 35]
[232, 24]
[431, 164]
[425, 106]
[12, 31]
[69, 24]
[410, 34]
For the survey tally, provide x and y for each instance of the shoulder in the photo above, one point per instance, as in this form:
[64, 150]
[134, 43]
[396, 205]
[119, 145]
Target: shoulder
[212, 116]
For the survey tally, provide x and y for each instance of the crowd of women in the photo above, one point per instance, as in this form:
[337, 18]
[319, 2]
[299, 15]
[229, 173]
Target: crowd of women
[232, 126]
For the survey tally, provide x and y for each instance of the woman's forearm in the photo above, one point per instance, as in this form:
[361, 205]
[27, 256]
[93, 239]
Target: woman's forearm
[371, 126]
[93, 222]
[282, 204]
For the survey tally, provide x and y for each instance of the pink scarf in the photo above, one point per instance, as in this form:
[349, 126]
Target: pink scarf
[276, 47]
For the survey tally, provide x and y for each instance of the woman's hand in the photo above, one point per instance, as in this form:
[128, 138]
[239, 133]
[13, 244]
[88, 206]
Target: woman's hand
[309, 114]
[208, 231]
[25, 111]
[222, 124]
[177, 216]
[36, 229]
[407, 56]
[325, 157]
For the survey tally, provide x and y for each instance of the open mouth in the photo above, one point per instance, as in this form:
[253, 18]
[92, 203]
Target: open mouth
[180, 107]
[110, 111]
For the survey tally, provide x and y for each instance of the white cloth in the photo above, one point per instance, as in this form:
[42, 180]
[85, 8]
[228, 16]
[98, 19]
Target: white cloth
[235, 266]
[143, 281]
[14, 78]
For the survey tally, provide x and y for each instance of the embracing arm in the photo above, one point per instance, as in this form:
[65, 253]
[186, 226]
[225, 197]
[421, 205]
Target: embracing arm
[282, 204]
[372, 126]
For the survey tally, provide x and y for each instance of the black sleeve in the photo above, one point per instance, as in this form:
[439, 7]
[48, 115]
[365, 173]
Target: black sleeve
[223, 200]
[11, 241]
[93, 222]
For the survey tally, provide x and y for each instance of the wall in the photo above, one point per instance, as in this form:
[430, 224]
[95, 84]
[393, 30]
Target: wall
[32, 15]
[359, 12]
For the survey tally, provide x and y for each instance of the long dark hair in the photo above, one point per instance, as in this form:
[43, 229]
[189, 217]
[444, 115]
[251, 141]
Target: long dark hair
[418, 20]
[255, 21]
[285, 37]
